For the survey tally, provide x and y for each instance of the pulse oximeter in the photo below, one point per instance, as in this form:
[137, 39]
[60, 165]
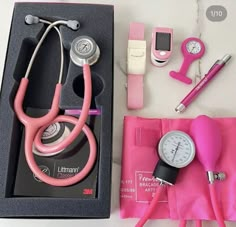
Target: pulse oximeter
[162, 44]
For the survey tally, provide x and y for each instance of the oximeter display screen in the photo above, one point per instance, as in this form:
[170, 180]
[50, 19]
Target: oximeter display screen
[163, 41]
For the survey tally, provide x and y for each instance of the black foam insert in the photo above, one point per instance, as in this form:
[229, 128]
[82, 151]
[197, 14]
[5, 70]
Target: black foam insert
[96, 21]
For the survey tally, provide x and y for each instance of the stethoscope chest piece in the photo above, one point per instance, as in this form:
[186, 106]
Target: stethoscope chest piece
[84, 50]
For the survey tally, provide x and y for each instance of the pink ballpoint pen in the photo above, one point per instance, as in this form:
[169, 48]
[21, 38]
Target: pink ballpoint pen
[218, 65]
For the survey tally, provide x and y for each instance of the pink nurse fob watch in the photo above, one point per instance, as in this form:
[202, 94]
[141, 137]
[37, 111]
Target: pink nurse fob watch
[192, 49]
[136, 66]
[162, 44]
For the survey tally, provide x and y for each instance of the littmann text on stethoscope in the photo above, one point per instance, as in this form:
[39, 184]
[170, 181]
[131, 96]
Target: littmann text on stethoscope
[65, 172]
[62, 169]
[61, 172]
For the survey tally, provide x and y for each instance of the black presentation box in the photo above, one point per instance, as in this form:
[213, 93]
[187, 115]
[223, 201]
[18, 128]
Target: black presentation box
[96, 21]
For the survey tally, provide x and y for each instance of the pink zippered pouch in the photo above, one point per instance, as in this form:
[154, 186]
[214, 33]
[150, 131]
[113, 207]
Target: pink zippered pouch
[189, 198]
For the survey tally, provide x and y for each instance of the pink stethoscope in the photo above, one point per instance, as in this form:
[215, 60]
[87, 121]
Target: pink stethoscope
[208, 141]
[84, 52]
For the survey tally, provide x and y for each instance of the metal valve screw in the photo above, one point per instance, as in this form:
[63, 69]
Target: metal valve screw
[212, 176]
[219, 176]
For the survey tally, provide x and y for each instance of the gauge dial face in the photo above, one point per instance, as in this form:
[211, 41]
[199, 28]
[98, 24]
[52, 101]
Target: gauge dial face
[177, 149]
[193, 47]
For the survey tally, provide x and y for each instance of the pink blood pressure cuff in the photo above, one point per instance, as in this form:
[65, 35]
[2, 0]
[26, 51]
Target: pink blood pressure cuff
[189, 198]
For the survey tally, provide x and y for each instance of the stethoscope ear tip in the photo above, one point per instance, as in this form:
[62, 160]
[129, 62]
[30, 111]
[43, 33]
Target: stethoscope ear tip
[73, 24]
[30, 19]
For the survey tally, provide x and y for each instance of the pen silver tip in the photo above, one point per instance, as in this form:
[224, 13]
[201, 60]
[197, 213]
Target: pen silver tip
[180, 108]
[226, 58]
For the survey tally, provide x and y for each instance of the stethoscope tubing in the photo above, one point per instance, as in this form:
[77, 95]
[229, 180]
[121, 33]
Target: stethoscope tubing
[29, 138]
[183, 223]
[215, 205]
[151, 208]
[30, 122]
[34, 127]
[216, 209]
[62, 118]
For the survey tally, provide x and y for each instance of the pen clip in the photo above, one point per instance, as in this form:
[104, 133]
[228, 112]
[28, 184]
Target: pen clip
[216, 63]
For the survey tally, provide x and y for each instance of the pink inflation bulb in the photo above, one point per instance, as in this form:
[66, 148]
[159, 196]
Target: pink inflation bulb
[208, 142]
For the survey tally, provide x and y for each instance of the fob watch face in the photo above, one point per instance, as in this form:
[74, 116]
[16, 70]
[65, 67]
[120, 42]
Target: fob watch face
[193, 47]
[177, 149]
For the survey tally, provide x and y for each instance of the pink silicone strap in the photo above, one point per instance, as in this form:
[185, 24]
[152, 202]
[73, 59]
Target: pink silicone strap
[136, 31]
[135, 82]
[135, 91]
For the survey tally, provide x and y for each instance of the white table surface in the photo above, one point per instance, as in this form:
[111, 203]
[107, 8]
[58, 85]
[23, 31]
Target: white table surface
[161, 93]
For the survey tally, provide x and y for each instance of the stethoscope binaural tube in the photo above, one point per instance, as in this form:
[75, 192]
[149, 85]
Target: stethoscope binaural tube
[80, 57]
[79, 124]
[34, 127]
